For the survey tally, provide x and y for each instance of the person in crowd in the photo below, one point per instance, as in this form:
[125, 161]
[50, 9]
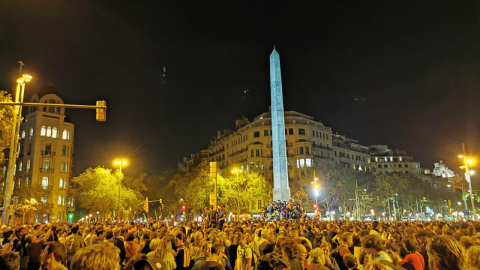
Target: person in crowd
[53, 256]
[273, 261]
[350, 261]
[317, 260]
[214, 261]
[10, 261]
[182, 259]
[373, 245]
[103, 256]
[472, 258]
[445, 253]
[413, 259]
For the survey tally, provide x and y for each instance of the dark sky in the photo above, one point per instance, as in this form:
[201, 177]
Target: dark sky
[416, 64]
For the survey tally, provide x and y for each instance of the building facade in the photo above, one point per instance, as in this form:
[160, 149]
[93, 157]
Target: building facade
[44, 163]
[385, 160]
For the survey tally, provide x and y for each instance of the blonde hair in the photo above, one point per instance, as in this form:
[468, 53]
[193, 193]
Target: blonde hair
[445, 252]
[103, 256]
[154, 243]
[375, 266]
[318, 256]
[472, 258]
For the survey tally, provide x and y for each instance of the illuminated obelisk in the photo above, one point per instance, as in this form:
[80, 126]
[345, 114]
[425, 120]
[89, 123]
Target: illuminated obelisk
[281, 191]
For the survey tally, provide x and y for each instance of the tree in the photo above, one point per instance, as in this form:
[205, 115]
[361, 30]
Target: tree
[6, 124]
[97, 190]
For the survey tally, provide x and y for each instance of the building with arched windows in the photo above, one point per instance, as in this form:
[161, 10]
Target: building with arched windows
[43, 167]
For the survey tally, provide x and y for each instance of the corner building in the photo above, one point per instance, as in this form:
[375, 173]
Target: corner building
[43, 168]
[308, 142]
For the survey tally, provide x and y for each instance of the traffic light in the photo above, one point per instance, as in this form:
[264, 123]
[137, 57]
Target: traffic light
[160, 201]
[315, 206]
[183, 207]
[213, 169]
[102, 111]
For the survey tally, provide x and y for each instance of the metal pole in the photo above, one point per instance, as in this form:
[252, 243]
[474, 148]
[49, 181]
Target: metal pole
[467, 177]
[119, 187]
[464, 198]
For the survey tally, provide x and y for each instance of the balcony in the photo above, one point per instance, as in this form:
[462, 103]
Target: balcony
[48, 153]
[49, 187]
[46, 170]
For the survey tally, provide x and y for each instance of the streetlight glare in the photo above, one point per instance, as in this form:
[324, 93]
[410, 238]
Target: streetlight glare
[122, 162]
[460, 156]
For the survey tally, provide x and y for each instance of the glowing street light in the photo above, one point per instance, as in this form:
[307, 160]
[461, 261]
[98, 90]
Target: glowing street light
[119, 163]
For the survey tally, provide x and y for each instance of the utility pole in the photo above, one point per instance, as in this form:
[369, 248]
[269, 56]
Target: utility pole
[466, 161]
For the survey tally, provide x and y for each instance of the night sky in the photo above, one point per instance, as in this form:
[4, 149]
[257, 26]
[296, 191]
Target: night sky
[402, 73]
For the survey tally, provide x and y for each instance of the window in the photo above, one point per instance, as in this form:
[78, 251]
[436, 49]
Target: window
[256, 134]
[265, 132]
[298, 163]
[259, 204]
[307, 150]
[379, 166]
[290, 131]
[54, 132]
[301, 150]
[64, 150]
[61, 183]
[399, 165]
[257, 152]
[23, 134]
[302, 163]
[28, 165]
[27, 181]
[301, 131]
[46, 165]
[48, 149]
[29, 149]
[251, 153]
[45, 182]
[43, 199]
[31, 132]
[59, 199]
[49, 131]
[66, 134]
[43, 131]
[20, 166]
[313, 133]
[406, 165]
[308, 162]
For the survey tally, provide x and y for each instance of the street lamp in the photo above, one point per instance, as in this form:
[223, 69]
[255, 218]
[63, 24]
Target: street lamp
[119, 163]
[12, 158]
[237, 171]
[468, 161]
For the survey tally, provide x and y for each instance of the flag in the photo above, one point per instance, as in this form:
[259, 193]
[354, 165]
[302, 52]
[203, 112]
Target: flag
[145, 205]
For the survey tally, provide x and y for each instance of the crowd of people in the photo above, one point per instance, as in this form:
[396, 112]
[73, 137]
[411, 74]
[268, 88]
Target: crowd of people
[247, 245]
[282, 211]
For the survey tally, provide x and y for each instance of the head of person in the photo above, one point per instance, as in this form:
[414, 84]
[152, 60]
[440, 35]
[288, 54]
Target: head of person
[53, 254]
[410, 244]
[445, 253]
[365, 258]
[103, 256]
[372, 244]
[302, 252]
[472, 258]
[272, 261]
[467, 241]
[346, 239]
[10, 261]
[326, 247]
[206, 248]
[350, 261]
[129, 237]
[318, 256]
[217, 251]
[100, 234]
[198, 237]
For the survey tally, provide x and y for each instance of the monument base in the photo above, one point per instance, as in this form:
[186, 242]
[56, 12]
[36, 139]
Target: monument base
[282, 195]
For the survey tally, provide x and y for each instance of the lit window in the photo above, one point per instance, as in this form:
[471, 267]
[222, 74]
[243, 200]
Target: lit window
[43, 131]
[49, 131]
[28, 165]
[62, 167]
[46, 165]
[61, 182]
[54, 132]
[308, 162]
[43, 199]
[20, 166]
[298, 163]
[302, 162]
[60, 199]
[45, 182]
[23, 134]
[27, 181]
[66, 134]
[31, 132]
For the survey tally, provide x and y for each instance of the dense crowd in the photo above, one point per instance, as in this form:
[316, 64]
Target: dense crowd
[247, 245]
[282, 211]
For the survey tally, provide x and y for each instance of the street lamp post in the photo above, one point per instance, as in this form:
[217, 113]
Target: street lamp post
[17, 117]
[119, 163]
[237, 171]
[466, 162]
